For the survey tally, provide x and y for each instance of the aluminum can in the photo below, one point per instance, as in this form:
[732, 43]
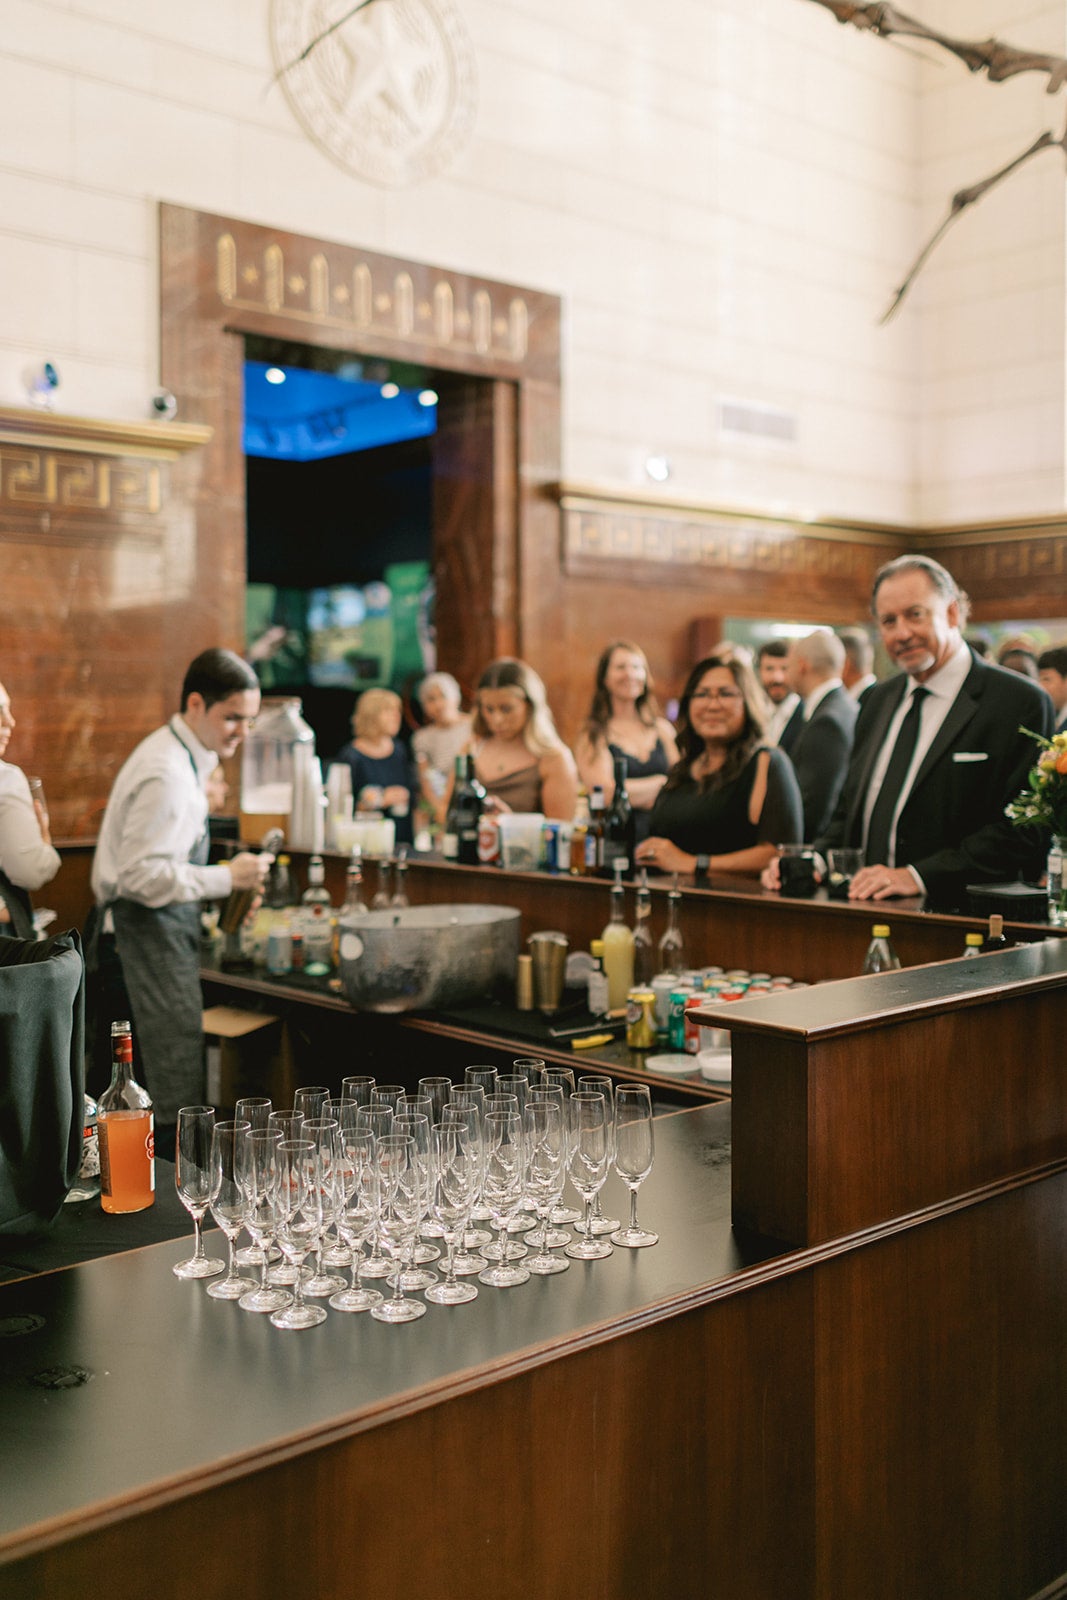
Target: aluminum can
[662, 984]
[488, 840]
[676, 1024]
[691, 1035]
[641, 1019]
[279, 950]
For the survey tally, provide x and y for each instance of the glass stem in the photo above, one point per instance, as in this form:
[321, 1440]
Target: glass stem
[355, 1268]
[450, 1271]
[589, 1218]
[231, 1271]
[298, 1287]
[198, 1248]
[263, 1269]
[633, 1209]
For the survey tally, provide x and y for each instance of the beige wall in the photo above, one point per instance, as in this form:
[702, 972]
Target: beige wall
[723, 192]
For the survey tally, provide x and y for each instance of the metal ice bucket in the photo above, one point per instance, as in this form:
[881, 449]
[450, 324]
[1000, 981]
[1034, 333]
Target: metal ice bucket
[426, 957]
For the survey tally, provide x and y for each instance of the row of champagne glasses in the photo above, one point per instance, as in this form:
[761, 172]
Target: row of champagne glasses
[477, 1147]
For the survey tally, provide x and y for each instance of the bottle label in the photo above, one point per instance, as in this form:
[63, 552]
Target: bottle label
[450, 846]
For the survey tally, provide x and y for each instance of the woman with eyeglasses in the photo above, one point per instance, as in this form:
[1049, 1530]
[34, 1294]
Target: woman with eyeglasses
[729, 800]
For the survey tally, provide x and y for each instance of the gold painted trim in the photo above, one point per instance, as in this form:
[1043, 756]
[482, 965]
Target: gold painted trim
[156, 441]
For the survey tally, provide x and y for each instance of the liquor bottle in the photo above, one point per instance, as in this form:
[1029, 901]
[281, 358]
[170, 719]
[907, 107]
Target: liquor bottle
[880, 957]
[618, 948]
[579, 831]
[644, 953]
[464, 814]
[280, 892]
[972, 946]
[619, 821]
[671, 946]
[597, 981]
[594, 833]
[354, 905]
[995, 939]
[126, 1133]
[316, 921]
[87, 1183]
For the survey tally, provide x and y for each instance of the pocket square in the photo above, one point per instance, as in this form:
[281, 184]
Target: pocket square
[970, 755]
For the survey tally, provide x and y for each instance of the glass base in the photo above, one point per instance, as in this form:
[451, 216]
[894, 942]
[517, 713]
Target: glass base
[474, 1238]
[502, 1277]
[516, 1251]
[206, 1267]
[601, 1225]
[522, 1224]
[398, 1311]
[544, 1266]
[431, 1230]
[266, 1300]
[323, 1284]
[293, 1318]
[419, 1278]
[554, 1238]
[230, 1288]
[377, 1269]
[634, 1238]
[250, 1255]
[425, 1253]
[467, 1266]
[565, 1214]
[356, 1300]
[451, 1294]
[588, 1250]
[336, 1255]
[285, 1275]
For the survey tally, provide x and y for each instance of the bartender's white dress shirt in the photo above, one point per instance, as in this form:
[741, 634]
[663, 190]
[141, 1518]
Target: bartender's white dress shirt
[155, 814]
[779, 717]
[24, 856]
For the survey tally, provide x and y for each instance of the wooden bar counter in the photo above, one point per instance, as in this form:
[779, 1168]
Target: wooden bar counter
[878, 1412]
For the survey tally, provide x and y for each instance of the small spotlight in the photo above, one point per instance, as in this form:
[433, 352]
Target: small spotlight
[389, 391]
[41, 382]
[274, 375]
[427, 397]
[658, 468]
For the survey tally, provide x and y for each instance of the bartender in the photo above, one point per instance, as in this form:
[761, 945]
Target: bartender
[150, 873]
[27, 859]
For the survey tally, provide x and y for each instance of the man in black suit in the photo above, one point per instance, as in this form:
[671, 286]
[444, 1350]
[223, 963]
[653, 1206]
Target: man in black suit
[938, 752]
[1052, 676]
[824, 744]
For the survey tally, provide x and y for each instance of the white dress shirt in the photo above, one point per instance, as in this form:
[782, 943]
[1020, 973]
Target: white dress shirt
[156, 812]
[861, 684]
[942, 688]
[779, 717]
[24, 856]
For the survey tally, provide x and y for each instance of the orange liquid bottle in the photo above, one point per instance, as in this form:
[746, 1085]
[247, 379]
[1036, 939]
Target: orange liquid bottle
[125, 1127]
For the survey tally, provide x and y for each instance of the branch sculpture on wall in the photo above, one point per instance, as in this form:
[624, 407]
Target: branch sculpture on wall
[997, 59]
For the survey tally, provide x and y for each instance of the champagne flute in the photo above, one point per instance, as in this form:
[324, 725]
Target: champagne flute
[323, 1133]
[532, 1066]
[562, 1078]
[559, 1213]
[311, 1100]
[299, 1221]
[634, 1155]
[192, 1176]
[481, 1078]
[439, 1092]
[464, 1262]
[387, 1094]
[417, 1127]
[545, 1139]
[290, 1125]
[401, 1207]
[262, 1180]
[227, 1201]
[358, 1214]
[467, 1095]
[357, 1090]
[255, 1109]
[601, 1085]
[453, 1175]
[502, 1187]
[589, 1161]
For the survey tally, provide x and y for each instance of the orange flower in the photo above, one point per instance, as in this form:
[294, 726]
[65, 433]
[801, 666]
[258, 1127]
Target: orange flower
[1061, 764]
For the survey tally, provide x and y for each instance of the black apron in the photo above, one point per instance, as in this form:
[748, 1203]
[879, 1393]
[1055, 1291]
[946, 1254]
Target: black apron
[159, 948]
[19, 909]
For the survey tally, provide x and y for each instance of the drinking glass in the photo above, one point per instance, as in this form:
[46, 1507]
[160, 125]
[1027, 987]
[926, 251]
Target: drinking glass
[601, 1085]
[324, 1135]
[590, 1157]
[420, 1104]
[559, 1213]
[401, 1206]
[516, 1083]
[299, 1221]
[464, 1262]
[464, 1095]
[502, 1188]
[453, 1176]
[545, 1140]
[387, 1094]
[290, 1124]
[439, 1092]
[481, 1078]
[255, 1109]
[358, 1215]
[357, 1090]
[634, 1154]
[334, 1252]
[192, 1176]
[383, 899]
[417, 1126]
[531, 1066]
[311, 1100]
[262, 1179]
[227, 1201]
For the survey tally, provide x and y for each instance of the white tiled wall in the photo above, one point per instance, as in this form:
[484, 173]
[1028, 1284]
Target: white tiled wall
[724, 192]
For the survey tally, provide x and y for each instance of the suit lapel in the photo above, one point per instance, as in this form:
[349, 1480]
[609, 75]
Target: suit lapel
[957, 717]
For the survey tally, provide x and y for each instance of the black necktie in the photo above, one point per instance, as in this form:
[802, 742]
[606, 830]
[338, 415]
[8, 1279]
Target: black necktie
[888, 795]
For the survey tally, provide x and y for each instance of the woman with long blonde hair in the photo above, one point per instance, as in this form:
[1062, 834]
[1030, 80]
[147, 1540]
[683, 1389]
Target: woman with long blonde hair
[518, 755]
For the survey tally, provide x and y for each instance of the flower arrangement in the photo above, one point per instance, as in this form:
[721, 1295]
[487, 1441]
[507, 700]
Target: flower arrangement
[1044, 801]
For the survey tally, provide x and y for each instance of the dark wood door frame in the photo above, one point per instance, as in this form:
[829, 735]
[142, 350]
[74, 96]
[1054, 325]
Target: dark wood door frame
[497, 454]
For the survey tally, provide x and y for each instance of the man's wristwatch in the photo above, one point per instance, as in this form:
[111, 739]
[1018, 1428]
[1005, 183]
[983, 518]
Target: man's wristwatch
[700, 871]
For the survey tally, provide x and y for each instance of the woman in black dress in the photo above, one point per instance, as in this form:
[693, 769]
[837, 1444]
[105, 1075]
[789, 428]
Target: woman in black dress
[729, 801]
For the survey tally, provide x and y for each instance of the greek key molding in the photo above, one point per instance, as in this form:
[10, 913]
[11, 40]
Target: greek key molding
[41, 479]
[358, 294]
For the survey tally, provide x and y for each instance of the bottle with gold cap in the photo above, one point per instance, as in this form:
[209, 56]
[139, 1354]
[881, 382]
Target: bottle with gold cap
[972, 945]
[597, 980]
[880, 957]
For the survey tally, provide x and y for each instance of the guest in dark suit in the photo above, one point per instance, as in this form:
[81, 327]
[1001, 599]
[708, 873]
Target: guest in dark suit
[857, 674]
[821, 751]
[937, 754]
[1052, 676]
